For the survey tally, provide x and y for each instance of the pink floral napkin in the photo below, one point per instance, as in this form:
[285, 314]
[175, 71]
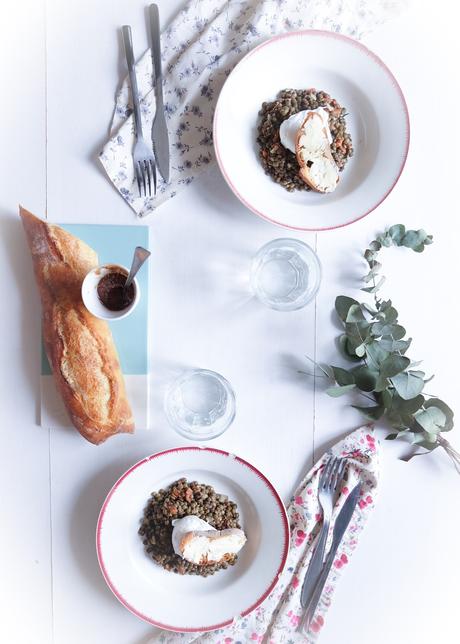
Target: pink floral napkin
[275, 621]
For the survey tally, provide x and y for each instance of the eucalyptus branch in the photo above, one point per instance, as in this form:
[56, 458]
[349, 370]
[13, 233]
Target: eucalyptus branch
[377, 343]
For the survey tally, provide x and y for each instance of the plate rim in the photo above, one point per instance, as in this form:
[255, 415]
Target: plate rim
[212, 627]
[365, 50]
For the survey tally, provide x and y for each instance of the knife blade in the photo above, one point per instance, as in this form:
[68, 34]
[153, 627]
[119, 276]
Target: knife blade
[340, 527]
[160, 137]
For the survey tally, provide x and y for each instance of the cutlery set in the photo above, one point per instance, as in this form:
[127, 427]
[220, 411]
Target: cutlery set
[321, 562]
[147, 158]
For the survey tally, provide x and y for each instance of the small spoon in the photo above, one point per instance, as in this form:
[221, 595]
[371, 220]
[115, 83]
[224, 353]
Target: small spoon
[140, 255]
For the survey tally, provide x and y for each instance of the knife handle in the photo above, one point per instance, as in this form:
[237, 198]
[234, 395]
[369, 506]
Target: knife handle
[129, 52]
[309, 613]
[315, 566]
[156, 51]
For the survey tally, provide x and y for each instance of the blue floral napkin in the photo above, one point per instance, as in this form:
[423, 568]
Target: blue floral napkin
[199, 49]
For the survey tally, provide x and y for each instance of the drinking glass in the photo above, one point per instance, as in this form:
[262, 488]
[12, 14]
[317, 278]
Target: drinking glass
[200, 404]
[285, 274]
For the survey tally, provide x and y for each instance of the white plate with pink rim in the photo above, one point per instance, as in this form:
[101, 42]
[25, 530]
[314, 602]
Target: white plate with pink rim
[377, 120]
[189, 603]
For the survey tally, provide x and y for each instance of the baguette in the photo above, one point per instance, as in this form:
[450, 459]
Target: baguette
[79, 346]
[317, 165]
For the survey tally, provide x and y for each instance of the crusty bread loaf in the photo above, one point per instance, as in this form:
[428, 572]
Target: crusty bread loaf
[79, 346]
[317, 166]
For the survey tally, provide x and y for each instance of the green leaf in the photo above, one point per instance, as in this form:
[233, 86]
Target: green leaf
[371, 275]
[391, 345]
[335, 392]
[397, 232]
[397, 332]
[447, 411]
[369, 309]
[385, 305]
[375, 246]
[376, 352]
[354, 314]
[432, 419]
[385, 240]
[346, 350]
[408, 385]
[371, 413]
[381, 384]
[407, 407]
[343, 304]
[391, 315]
[361, 350]
[382, 329]
[365, 378]
[342, 376]
[425, 439]
[391, 437]
[415, 239]
[374, 289]
[393, 365]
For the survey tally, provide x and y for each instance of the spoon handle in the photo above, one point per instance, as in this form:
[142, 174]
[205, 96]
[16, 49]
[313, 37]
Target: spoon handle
[140, 255]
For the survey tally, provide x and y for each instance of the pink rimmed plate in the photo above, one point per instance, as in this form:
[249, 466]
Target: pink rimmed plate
[377, 120]
[189, 603]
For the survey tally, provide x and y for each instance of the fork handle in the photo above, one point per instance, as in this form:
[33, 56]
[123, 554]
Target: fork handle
[154, 17]
[316, 565]
[129, 52]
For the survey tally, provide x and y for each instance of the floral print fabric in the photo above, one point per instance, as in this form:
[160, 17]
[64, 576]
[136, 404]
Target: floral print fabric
[275, 621]
[199, 50]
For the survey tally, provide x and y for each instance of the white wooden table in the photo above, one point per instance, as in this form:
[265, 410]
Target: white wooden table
[60, 66]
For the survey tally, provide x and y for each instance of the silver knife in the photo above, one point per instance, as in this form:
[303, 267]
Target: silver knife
[340, 527]
[160, 139]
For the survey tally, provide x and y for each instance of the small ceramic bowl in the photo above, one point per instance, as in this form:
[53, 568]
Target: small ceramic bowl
[91, 298]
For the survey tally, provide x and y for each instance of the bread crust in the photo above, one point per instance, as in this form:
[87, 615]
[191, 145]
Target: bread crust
[79, 346]
[304, 172]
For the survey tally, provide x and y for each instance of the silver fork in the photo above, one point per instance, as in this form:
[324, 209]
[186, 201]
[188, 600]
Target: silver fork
[330, 478]
[144, 162]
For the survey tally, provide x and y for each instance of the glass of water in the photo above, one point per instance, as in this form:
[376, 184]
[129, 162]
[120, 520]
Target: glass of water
[285, 274]
[200, 404]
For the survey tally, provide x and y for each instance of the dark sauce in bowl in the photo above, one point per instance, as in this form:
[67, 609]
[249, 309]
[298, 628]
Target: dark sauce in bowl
[112, 293]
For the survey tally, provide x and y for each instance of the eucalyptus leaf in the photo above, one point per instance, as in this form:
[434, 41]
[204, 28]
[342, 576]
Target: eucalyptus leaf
[385, 305]
[376, 353]
[335, 392]
[393, 365]
[374, 289]
[407, 407]
[414, 239]
[381, 384]
[408, 385]
[374, 338]
[371, 413]
[361, 350]
[346, 350]
[431, 419]
[354, 314]
[369, 309]
[342, 376]
[397, 232]
[343, 304]
[365, 378]
[381, 328]
[390, 345]
[397, 332]
[447, 411]
[391, 315]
